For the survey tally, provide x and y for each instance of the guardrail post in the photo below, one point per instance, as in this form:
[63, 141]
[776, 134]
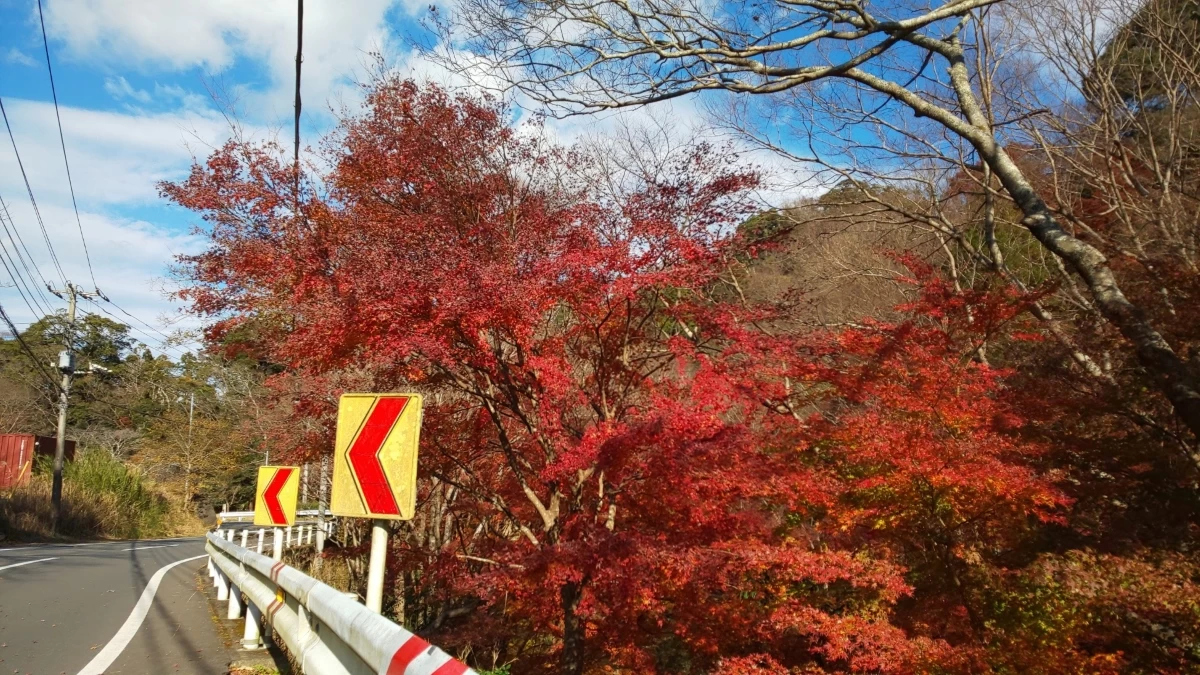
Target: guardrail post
[211, 568]
[245, 533]
[235, 603]
[251, 637]
[229, 535]
[305, 627]
[261, 535]
[288, 540]
[222, 586]
[278, 552]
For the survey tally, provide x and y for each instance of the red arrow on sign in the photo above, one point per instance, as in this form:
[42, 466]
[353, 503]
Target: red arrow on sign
[271, 496]
[364, 455]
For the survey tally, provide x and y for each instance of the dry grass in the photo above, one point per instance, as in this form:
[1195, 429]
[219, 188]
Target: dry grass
[102, 498]
[25, 512]
[332, 572]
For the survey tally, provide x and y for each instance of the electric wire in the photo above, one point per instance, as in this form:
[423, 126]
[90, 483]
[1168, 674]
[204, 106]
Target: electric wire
[130, 315]
[14, 271]
[36, 292]
[201, 423]
[164, 346]
[62, 141]
[21, 240]
[37, 213]
[32, 357]
[56, 387]
[18, 281]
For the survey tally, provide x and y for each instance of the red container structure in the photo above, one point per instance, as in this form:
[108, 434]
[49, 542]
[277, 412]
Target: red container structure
[16, 456]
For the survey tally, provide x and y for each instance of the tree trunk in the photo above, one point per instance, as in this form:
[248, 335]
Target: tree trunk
[1169, 372]
[572, 649]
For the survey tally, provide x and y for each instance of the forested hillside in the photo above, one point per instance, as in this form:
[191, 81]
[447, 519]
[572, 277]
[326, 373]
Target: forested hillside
[185, 431]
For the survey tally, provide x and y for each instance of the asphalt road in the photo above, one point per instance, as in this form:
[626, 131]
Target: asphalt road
[73, 608]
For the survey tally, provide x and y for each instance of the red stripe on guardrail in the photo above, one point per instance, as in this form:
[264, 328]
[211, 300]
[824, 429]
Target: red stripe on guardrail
[413, 648]
[271, 609]
[408, 651]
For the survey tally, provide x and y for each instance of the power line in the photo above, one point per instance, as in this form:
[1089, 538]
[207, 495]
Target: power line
[15, 272]
[166, 339]
[33, 357]
[21, 240]
[18, 280]
[62, 141]
[135, 331]
[36, 212]
[168, 350]
[128, 314]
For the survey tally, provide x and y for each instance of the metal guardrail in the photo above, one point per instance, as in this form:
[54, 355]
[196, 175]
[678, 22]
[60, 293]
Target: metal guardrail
[292, 535]
[327, 631]
[248, 516]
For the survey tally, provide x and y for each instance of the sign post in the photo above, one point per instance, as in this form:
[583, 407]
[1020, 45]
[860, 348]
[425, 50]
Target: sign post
[375, 470]
[378, 565]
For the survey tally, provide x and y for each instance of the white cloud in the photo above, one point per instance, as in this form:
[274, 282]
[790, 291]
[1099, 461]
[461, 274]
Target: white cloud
[128, 259]
[155, 36]
[116, 158]
[119, 87]
[116, 161]
[18, 57]
[187, 100]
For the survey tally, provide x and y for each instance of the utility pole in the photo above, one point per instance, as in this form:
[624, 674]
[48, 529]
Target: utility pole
[66, 365]
[191, 411]
[187, 476]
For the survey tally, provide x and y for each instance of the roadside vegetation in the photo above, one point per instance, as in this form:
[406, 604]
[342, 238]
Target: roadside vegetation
[102, 498]
[941, 415]
[667, 432]
[161, 440]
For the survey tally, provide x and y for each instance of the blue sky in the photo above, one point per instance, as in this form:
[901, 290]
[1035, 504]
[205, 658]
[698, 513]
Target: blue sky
[133, 80]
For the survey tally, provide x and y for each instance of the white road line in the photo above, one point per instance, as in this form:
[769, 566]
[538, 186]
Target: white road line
[27, 562]
[143, 548]
[115, 646]
[34, 547]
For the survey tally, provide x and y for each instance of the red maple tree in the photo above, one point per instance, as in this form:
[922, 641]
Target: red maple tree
[619, 456]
